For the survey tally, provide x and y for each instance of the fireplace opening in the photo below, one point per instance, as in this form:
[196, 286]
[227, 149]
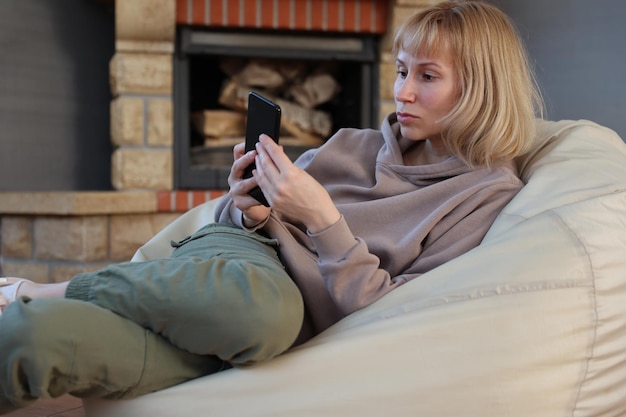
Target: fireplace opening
[323, 83]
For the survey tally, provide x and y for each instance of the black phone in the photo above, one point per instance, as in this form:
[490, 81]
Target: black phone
[263, 117]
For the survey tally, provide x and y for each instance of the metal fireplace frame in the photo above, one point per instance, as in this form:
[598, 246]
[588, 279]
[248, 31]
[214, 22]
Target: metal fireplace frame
[360, 49]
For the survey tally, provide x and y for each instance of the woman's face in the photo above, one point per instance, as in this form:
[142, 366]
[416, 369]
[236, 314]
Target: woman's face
[425, 91]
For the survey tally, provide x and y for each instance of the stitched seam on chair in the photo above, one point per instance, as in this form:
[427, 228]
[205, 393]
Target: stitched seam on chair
[497, 290]
[484, 293]
[491, 290]
[595, 310]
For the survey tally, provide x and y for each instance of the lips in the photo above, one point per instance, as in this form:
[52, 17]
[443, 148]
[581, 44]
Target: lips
[405, 118]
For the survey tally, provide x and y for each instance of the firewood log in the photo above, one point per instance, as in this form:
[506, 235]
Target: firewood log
[316, 122]
[219, 123]
[316, 89]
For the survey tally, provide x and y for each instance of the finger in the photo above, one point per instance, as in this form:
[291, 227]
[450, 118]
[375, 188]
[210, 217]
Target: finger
[274, 152]
[240, 191]
[238, 168]
[244, 161]
[238, 150]
[265, 166]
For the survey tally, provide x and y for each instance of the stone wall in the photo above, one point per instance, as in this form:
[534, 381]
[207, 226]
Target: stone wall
[53, 248]
[50, 237]
[141, 74]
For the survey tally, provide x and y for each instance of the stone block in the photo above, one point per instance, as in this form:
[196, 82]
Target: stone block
[142, 169]
[35, 271]
[386, 41]
[130, 232]
[16, 237]
[145, 20]
[122, 45]
[74, 203]
[160, 122]
[78, 239]
[388, 73]
[399, 13]
[141, 73]
[127, 121]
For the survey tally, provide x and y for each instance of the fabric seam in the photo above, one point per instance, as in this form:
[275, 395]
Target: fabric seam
[594, 340]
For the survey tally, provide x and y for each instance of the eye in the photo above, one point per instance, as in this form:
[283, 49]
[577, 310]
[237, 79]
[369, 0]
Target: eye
[428, 77]
[401, 72]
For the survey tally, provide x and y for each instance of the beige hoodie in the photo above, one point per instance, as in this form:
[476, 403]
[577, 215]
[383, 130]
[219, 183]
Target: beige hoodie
[398, 221]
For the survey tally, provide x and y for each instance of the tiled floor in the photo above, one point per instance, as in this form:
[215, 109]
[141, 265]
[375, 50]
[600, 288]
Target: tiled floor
[61, 407]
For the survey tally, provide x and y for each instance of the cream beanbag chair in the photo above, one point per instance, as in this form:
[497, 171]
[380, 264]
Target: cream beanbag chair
[530, 323]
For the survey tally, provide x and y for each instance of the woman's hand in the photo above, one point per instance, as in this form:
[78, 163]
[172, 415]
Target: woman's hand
[290, 190]
[253, 211]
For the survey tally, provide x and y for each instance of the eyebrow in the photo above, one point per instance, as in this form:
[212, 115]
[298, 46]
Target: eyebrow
[421, 64]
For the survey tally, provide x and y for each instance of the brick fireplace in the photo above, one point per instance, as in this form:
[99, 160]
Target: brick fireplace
[151, 67]
[143, 76]
[51, 236]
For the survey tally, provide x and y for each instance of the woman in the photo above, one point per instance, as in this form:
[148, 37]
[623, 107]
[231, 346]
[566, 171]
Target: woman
[349, 222]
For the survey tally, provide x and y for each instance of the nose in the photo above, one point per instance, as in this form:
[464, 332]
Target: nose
[405, 90]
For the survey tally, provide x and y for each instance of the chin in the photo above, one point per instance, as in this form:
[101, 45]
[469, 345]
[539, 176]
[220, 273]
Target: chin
[411, 133]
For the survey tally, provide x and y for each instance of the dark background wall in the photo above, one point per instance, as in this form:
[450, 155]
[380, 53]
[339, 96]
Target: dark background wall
[54, 94]
[580, 51]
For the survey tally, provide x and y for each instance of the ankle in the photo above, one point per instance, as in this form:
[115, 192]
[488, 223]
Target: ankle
[35, 290]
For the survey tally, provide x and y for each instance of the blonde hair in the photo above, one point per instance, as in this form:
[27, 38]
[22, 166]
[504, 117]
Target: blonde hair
[499, 99]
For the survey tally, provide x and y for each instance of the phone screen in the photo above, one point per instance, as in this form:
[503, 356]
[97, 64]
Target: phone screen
[263, 117]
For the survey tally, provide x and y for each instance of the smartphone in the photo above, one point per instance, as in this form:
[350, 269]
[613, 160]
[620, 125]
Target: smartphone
[263, 117]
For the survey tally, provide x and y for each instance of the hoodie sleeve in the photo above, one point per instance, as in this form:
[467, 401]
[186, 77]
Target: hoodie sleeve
[353, 275]
[226, 212]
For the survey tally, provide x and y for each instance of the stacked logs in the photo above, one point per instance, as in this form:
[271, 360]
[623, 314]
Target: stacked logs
[299, 88]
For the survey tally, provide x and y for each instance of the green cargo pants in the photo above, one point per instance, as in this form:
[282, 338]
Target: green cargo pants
[222, 298]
